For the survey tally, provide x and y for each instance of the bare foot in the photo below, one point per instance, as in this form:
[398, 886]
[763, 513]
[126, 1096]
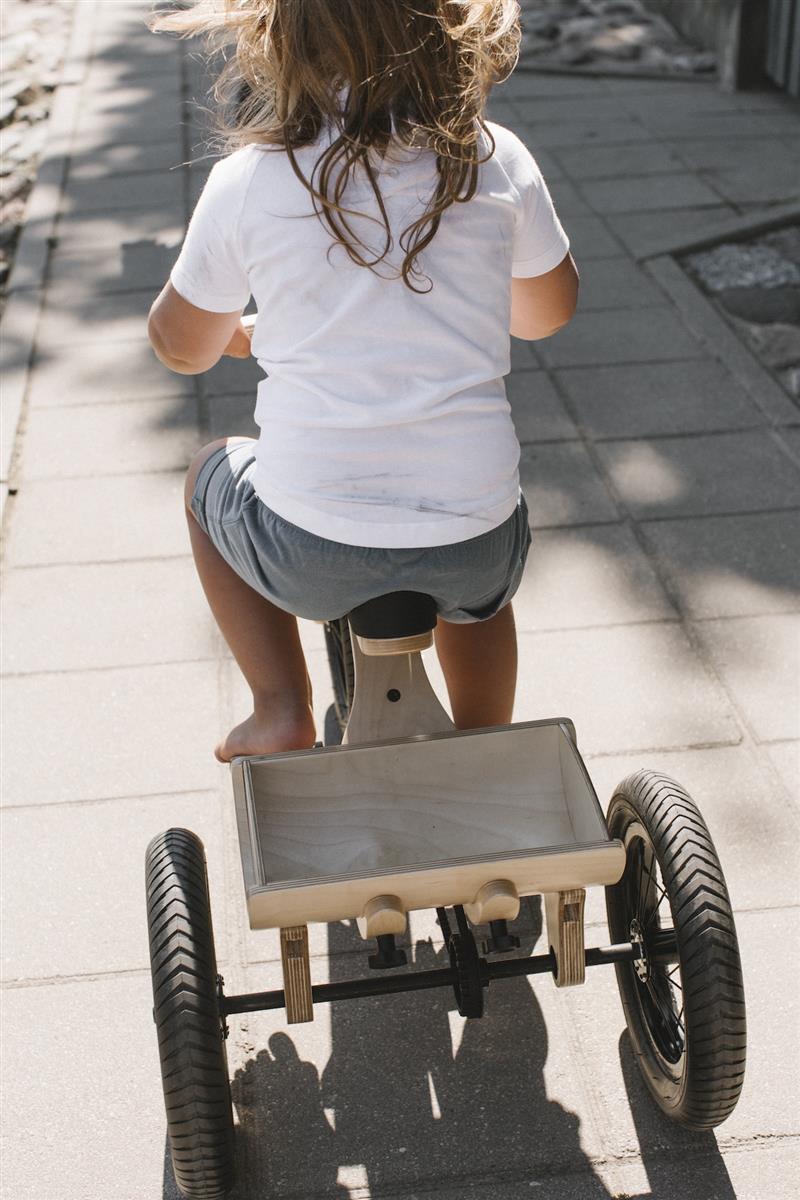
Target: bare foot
[263, 735]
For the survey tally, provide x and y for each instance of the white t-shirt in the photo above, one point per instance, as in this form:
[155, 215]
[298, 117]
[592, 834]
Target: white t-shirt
[383, 419]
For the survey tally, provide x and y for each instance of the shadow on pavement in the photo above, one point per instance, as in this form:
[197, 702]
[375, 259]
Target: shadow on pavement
[395, 1110]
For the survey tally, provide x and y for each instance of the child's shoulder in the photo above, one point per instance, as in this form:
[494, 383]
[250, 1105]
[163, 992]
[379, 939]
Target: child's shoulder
[512, 155]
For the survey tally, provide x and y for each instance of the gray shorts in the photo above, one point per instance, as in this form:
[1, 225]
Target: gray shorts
[319, 579]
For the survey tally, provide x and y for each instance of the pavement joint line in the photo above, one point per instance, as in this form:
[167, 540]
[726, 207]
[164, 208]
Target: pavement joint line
[627, 362]
[23, 982]
[97, 562]
[138, 666]
[680, 435]
[111, 404]
[137, 474]
[671, 748]
[86, 803]
[779, 436]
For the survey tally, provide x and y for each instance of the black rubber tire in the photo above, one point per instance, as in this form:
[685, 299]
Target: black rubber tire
[191, 1043]
[693, 1058]
[343, 678]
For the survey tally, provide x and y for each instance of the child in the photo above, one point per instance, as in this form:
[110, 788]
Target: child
[391, 238]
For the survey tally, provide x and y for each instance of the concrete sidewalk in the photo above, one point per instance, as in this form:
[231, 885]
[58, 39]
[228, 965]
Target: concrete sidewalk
[659, 610]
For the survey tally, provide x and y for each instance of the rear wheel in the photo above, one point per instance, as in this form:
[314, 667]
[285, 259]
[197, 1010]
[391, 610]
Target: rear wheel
[342, 668]
[686, 1018]
[191, 1032]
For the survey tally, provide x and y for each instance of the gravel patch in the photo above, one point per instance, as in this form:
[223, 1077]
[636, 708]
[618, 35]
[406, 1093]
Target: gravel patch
[757, 284]
[33, 40]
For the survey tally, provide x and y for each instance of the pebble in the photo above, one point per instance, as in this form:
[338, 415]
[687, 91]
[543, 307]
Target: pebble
[7, 110]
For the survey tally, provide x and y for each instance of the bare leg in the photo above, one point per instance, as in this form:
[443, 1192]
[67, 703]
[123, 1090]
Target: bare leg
[479, 662]
[264, 641]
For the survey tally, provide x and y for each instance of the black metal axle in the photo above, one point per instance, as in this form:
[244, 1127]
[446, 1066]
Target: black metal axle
[413, 981]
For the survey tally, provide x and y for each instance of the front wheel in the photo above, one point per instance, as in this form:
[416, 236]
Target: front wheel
[686, 1018]
[191, 1032]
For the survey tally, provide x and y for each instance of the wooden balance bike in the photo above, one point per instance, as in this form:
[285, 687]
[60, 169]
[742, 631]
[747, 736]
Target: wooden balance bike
[408, 813]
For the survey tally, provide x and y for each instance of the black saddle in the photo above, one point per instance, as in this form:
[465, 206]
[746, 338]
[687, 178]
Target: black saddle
[395, 615]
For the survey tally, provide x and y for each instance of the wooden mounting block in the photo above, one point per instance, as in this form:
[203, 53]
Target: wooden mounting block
[564, 917]
[296, 974]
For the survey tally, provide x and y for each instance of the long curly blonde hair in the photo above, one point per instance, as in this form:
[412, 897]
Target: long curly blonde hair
[372, 71]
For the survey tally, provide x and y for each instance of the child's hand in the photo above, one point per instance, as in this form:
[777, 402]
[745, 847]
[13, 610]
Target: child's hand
[239, 345]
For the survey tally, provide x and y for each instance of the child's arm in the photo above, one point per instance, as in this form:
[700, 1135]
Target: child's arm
[190, 340]
[541, 305]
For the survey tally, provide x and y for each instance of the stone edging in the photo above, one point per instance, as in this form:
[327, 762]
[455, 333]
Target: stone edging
[706, 323]
[733, 228]
[26, 283]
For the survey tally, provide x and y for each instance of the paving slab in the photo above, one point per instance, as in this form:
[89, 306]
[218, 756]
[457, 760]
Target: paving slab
[620, 336]
[590, 237]
[645, 233]
[113, 372]
[608, 162]
[615, 283]
[79, 231]
[463, 1101]
[627, 687]
[152, 732]
[648, 400]
[730, 153]
[645, 193]
[100, 162]
[523, 355]
[730, 566]
[588, 130]
[596, 575]
[104, 615]
[758, 659]
[98, 440]
[98, 520]
[739, 1174]
[772, 183]
[537, 409]
[232, 415]
[590, 107]
[676, 124]
[562, 486]
[131, 266]
[87, 1070]
[568, 200]
[119, 317]
[631, 1125]
[105, 930]
[702, 475]
[755, 832]
[231, 375]
[160, 187]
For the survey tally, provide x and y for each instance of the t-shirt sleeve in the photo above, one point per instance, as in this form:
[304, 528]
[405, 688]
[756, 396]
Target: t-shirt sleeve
[210, 272]
[540, 242]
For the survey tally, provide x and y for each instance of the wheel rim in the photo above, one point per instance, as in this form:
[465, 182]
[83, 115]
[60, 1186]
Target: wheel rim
[658, 986]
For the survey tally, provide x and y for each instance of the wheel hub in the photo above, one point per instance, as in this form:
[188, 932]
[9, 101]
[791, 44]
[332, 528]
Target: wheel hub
[640, 964]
